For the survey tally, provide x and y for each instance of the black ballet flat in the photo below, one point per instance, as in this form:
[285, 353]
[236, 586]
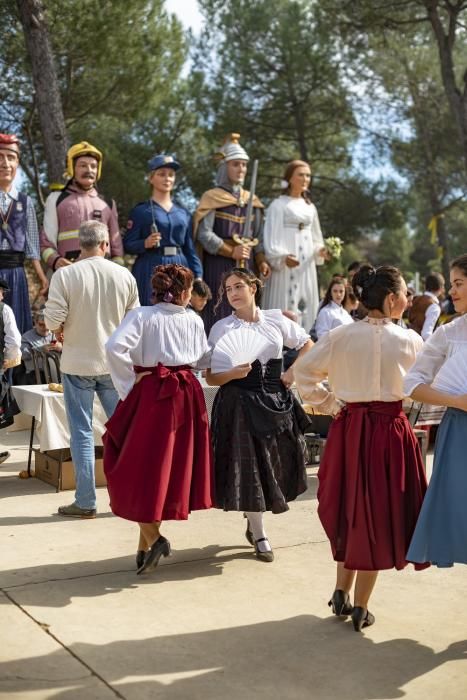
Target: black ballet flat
[263, 556]
[340, 603]
[140, 555]
[161, 547]
[361, 617]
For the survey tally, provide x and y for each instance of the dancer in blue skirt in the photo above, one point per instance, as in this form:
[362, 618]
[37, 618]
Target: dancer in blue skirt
[441, 532]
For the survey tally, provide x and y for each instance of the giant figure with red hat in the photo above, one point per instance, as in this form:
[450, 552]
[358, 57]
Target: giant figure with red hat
[19, 235]
[66, 209]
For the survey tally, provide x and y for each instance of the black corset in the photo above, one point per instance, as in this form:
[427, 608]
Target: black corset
[257, 380]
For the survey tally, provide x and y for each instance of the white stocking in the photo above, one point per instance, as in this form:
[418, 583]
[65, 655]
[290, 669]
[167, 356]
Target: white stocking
[255, 523]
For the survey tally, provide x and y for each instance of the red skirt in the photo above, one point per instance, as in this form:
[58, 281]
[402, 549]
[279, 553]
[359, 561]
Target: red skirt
[157, 448]
[371, 486]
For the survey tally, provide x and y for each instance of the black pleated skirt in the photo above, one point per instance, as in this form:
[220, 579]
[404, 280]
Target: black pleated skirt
[259, 449]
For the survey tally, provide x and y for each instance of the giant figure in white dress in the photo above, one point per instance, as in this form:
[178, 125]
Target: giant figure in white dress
[294, 245]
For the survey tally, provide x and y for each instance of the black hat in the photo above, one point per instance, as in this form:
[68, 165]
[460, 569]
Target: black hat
[4, 285]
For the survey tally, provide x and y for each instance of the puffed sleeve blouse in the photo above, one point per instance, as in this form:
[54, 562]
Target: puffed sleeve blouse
[363, 361]
[163, 333]
[445, 342]
[272, 325]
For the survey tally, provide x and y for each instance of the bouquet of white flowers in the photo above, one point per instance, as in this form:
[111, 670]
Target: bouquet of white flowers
[333, 245]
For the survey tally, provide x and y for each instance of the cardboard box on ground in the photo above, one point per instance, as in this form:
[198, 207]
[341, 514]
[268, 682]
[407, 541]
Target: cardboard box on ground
[46, 467]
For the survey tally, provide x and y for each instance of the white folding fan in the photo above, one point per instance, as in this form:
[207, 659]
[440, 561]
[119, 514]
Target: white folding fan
[452, 375]
[238, 347]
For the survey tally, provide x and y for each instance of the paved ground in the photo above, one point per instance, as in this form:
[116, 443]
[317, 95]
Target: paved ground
[211, 622]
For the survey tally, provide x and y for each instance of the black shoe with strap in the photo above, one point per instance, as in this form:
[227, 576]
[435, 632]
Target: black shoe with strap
[361, 617]
[340, 603]
[267, 556]
[161, 547]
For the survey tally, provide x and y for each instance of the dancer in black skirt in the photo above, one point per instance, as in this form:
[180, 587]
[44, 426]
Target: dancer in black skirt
[257, 424]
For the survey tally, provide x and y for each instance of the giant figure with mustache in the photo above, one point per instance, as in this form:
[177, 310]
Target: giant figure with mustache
[78, 201]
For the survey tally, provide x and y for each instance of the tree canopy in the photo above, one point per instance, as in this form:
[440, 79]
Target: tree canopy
[321, 81]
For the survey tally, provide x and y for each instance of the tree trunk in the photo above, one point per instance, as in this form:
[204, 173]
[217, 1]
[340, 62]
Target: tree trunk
[47, 94]
[457, 98]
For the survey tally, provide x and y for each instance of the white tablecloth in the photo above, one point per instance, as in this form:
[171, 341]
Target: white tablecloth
[48, 408]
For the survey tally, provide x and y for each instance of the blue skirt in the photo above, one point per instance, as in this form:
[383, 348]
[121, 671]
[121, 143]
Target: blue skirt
[441, 532]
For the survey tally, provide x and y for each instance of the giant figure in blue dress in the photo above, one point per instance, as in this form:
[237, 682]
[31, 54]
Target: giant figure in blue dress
[159, 231]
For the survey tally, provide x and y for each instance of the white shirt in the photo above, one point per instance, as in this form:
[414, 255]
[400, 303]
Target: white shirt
[272, 325]
[445, 342]
[364, 361]
[331, 316]
[163, 333]
[431, 316]
[90, 298]
[12, 342]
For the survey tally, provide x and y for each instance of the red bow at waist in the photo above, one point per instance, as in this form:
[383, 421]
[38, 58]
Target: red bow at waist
[169, 381]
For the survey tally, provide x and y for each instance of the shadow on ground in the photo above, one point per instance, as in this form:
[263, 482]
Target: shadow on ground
[307, 658]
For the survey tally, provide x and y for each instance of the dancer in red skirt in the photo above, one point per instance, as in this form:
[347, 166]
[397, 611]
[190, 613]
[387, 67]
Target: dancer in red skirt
[371, 478]
[157, 456]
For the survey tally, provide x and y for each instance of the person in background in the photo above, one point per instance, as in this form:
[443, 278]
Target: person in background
[38, 338]
[371, 477]
[425, 310]
[10, 349]
[351, 302]
[352, 270]
[200, 296]
[19, 235]
[159, 230]
[332, 312]
[87, 301]
[10, 338]
[66, 209]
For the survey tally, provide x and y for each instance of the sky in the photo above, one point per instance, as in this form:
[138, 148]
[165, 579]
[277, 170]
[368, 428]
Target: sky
[187, 12]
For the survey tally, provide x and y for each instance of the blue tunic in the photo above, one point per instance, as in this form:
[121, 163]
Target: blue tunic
[175, 229]
[441, 532]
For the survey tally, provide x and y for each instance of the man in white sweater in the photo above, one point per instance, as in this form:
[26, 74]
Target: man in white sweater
[87, 301]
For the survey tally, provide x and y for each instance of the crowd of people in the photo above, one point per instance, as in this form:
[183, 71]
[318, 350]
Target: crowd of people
[203, 298]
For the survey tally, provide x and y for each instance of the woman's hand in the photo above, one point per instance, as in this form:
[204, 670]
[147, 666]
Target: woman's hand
[221, 378]
[291, 261]
[461, 402]
[140, 375]
[287, 378]
[241, 371]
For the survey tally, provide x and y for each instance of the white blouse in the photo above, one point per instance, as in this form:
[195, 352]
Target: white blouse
[272, 325]
[365, 361]
[164, 333]
[445, 342]
[331, 316]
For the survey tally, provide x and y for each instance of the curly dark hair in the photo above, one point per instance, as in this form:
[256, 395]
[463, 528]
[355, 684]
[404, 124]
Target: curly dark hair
[169, 282]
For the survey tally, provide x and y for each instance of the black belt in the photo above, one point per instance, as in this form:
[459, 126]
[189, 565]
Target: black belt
[10, 259]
